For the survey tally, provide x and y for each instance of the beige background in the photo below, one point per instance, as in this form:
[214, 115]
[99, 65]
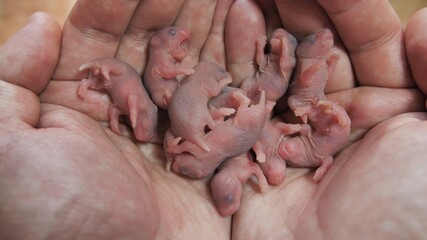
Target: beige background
[14, 13]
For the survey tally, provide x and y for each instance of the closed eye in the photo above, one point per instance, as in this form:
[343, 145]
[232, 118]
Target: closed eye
[172, 32]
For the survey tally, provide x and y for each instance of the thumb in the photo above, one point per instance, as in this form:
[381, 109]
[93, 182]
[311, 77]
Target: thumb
[27, 61]
[30, 56]
[415, 37]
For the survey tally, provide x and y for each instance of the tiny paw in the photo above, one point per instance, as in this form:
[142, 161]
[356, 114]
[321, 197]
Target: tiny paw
[189, 71]
[326, 106]
[302, 113]
[82, 90]
[261, 157]
[90, 66]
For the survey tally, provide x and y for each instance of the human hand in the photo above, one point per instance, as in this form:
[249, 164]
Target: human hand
[73, 189]
[63, 173]
[353, 201]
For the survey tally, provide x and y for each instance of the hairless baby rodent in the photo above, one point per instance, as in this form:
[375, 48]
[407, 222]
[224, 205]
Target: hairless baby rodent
[166, 50]
[228, 132]
[129, 96]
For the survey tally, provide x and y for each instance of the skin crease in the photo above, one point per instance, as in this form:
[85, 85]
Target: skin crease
[55, 183]
[243, 15]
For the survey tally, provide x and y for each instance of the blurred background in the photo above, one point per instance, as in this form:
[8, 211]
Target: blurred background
[14, 13]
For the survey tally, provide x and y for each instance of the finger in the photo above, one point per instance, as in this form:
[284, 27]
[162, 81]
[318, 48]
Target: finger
[30, 56]
[245, 24]
[93, 29]
[304, 17]
[150, 15]
[214, 48]
[361, 102]
[27, 61]
[373, 34]
[416, 47]
[272, 17]
[196, 16]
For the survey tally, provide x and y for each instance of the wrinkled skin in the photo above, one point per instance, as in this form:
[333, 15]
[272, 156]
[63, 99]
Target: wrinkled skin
[56, 183]
[128, 95]
[328, 125]
[188, 110]
[162, 75]
[275, 69]
[317, 142]
[227, 183]
[229, 139]
[272, 164]
[312, 72]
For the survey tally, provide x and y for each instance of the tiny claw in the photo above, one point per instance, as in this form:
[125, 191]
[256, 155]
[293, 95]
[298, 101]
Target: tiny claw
[304, 118]
[133, 109]
[85, 66]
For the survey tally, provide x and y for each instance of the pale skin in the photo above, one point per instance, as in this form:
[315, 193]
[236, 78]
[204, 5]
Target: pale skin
[56, 183]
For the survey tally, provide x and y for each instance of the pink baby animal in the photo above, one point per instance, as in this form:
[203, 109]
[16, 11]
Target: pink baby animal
[129, 96]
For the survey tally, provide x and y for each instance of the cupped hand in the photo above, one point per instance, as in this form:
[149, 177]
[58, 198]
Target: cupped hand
[372, 190]
[64, 174]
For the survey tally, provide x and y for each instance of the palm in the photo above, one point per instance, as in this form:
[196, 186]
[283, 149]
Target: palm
[125, 178]
[354, 193]
[82, 170]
